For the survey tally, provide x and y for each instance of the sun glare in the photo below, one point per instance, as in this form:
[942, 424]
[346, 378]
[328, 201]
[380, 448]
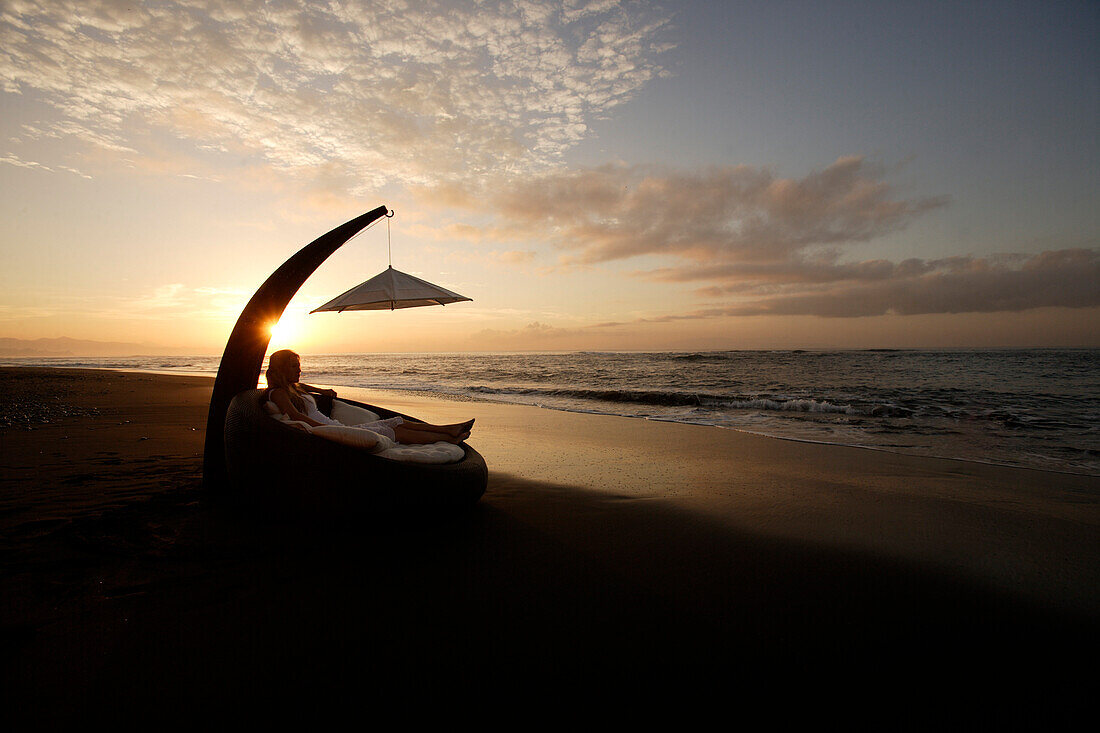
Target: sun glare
[287, 332]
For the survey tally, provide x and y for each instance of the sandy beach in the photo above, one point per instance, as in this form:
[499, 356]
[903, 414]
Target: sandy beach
[608, 554]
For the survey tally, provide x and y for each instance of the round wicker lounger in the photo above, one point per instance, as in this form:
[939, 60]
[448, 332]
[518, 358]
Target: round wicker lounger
[289, 469]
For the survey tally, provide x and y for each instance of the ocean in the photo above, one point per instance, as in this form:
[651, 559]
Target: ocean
[1035, 408]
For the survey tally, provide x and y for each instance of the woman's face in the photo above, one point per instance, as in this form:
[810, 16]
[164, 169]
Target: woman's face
[294, 369]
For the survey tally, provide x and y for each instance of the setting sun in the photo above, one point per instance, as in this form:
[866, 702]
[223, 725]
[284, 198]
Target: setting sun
[288, 331]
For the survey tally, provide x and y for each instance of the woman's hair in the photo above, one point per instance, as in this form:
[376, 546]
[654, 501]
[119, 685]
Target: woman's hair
[279, 370]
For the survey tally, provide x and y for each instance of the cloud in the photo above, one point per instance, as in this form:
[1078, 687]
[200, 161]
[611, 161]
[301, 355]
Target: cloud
[173, 305]
[20, 163]
[760, 244]
[731, 214]
[747, 276]
[513, 257]
[385, 91]
[1068, 278]
[21, 312]
[165, 297]
[534, 335]
[170, 302]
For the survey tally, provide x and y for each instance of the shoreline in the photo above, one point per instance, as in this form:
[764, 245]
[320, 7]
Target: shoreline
[451, 397]
[427, 395]
[606, 551]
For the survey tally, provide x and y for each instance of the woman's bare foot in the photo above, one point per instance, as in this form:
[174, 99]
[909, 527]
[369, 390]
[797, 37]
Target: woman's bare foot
[459, 430]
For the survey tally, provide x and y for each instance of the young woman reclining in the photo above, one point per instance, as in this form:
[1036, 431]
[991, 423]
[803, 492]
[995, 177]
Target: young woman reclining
[293, 398]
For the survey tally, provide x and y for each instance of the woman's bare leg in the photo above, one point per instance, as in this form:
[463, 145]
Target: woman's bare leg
[454, 430]
[412, 434]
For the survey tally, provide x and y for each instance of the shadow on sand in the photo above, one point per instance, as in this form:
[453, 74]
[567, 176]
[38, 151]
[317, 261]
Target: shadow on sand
[178, 603]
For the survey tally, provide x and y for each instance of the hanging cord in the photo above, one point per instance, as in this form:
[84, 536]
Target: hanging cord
[389, 251]
[370, 226]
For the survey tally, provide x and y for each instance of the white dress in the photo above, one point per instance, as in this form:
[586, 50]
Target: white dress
[382, 427]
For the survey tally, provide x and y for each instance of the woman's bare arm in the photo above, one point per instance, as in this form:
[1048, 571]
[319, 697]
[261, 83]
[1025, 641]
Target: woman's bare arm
[317, 390]
[282, 400]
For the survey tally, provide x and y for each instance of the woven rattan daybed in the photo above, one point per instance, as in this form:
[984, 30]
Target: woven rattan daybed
[293, 470]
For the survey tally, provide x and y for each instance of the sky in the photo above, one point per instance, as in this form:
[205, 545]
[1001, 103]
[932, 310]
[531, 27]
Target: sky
[594, 175]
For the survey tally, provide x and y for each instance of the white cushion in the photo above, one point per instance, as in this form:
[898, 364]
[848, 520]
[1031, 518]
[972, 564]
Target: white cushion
[355, 437]
[347, 414]
[441, 452]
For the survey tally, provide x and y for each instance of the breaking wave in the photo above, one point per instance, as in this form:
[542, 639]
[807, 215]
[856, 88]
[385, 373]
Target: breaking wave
[699, 399]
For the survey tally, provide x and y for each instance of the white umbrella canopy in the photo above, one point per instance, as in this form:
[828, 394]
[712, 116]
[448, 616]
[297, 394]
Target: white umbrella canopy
[390, 290]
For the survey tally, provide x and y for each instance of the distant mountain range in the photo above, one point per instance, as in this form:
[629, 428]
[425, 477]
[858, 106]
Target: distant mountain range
[65, 346]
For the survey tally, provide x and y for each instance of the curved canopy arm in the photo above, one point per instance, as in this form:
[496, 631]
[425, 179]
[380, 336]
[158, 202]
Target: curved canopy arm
[244, 352]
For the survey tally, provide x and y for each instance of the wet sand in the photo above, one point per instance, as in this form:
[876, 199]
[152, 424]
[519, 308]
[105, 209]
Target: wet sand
[610, 559]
